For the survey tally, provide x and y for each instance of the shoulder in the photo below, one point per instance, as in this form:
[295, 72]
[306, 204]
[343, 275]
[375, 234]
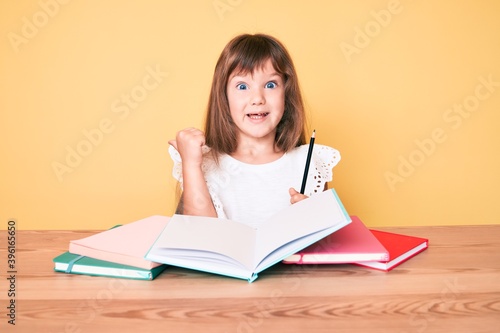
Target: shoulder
[328, 155]
[322, 154]
[174, 154]
[323, 160]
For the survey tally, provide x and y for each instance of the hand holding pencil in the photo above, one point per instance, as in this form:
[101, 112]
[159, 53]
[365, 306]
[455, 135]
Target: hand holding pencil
[294, 195]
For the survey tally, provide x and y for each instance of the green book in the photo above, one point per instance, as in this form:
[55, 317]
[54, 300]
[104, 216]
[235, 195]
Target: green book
[76, 264]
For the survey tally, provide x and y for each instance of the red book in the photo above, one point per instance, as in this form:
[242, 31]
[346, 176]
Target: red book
[400, 247]
[352, 243]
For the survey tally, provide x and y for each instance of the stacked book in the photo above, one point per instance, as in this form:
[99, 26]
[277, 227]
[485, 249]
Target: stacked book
[356, 244]
[313, 231]
[117, 252]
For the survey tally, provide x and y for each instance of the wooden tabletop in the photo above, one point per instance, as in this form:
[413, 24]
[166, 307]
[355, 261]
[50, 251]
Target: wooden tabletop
[454, 286]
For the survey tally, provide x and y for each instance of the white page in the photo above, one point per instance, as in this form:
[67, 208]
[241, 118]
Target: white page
[314, 214]
[207, 265]
[207, 234]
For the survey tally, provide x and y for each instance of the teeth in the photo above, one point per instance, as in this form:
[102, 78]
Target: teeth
[257, 115]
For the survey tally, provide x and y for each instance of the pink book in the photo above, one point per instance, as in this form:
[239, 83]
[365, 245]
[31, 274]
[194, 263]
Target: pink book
[352, 243]
[400, 247]
[127, 244]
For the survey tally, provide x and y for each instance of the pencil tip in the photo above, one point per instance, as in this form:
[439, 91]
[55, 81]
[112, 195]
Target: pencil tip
[314, 134]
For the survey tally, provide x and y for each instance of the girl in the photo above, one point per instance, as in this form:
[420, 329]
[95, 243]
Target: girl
[250, 159]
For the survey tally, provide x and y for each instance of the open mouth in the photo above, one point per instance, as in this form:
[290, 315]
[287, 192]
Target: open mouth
[259, 115]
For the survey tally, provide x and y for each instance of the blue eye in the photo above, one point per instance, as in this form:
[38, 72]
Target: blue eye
[271, 85]
[242, 86]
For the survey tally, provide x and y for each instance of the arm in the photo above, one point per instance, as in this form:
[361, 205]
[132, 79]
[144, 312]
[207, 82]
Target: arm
[195, 199]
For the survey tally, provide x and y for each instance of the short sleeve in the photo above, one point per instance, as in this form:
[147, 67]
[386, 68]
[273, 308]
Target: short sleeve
[176, 158]
[325, 158]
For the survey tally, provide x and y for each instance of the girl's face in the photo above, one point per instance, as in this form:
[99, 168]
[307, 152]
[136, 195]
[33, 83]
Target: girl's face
[256, 102]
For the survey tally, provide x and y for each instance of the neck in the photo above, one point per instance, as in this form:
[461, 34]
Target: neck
[257, 152]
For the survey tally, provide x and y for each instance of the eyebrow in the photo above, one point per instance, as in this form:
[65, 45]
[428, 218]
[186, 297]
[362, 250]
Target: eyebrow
[243, 75]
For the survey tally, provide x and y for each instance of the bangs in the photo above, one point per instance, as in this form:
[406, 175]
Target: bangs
[252, 53]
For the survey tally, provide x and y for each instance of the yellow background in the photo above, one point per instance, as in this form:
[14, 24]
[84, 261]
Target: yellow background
[375, 86]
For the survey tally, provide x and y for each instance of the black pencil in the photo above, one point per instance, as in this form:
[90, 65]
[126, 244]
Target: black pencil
[308, 162]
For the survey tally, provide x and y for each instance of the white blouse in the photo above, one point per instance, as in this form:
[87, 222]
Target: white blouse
[252, 193]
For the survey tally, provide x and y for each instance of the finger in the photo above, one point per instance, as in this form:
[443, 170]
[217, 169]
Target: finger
[173, 143]
[191, 134]
[295, 198]
[294, 195]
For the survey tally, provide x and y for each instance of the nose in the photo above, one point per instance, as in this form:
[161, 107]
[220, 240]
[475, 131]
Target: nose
[258, 97]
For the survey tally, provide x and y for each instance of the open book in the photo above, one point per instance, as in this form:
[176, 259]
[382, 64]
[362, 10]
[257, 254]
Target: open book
[235, 249]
